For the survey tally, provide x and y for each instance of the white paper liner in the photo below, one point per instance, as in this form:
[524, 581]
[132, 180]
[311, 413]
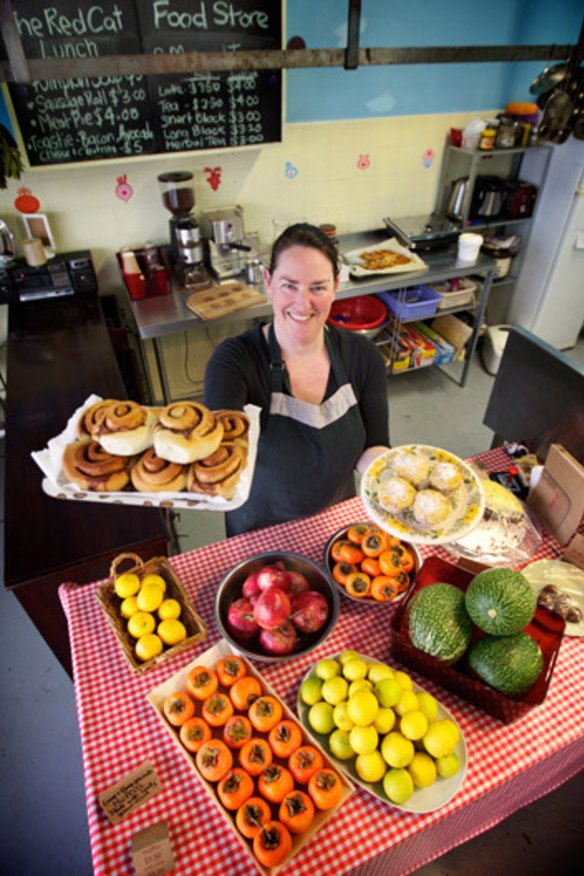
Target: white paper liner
[356, 269]
[55, 484]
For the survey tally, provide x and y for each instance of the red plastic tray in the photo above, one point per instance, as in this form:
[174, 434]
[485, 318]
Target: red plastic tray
[546, 629]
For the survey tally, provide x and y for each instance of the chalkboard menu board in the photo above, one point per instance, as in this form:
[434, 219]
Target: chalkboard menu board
[111, 116]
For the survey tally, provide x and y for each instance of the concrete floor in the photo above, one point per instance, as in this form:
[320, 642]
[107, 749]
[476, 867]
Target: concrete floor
[43, 826]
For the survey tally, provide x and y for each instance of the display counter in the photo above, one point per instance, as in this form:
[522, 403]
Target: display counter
[509, 765]
[59, 352]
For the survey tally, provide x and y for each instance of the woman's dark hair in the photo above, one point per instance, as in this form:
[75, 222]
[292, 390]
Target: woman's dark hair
[304, 234]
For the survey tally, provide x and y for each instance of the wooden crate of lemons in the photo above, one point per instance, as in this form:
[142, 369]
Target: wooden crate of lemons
[149, 610]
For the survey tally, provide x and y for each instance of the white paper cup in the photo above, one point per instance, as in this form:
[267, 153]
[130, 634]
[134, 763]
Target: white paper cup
[469, 246]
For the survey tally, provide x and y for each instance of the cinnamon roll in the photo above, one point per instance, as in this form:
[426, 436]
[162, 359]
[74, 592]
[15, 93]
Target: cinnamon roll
[235, 426]
[125, 428]
[219, 473]
[92, 416]
[151, 474]
[88, 465]
[186, 432]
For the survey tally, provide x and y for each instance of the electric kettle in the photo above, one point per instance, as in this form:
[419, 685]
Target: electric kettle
[7, 244]
[456, 201]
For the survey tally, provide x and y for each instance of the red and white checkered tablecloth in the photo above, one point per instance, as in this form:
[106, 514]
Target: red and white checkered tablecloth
[119, 730]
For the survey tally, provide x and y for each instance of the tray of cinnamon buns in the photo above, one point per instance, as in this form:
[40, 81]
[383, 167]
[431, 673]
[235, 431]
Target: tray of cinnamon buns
[182, 455]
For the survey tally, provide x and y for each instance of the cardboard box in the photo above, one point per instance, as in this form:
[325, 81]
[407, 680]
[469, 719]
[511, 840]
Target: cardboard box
[558, 498]
[455, 331]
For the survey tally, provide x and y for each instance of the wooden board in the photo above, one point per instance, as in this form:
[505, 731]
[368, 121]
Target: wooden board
[224, 299]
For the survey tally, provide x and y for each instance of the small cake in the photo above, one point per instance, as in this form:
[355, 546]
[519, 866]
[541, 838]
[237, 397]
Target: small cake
[445, 476]
[431, 508]
[412, 466]
[395, 494]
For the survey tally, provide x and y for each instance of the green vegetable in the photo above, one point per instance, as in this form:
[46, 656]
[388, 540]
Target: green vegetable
[500, 601]
[438, 622]
[510, 664]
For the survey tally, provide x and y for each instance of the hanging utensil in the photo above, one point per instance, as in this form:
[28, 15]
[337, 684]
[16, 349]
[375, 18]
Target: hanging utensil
[562, 107]
[549, 78]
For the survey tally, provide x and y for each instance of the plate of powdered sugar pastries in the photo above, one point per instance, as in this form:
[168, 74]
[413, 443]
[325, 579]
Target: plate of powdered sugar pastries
[180, 455]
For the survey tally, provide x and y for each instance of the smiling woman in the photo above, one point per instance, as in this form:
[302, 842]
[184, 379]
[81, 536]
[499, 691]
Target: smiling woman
[322, 389]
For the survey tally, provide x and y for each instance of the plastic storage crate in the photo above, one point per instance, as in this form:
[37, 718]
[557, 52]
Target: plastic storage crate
[420, 302]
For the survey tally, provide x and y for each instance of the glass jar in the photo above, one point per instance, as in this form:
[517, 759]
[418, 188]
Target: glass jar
[507, 133]
[487, 139]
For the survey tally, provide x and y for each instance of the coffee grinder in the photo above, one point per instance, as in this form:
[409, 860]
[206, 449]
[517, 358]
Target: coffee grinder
[186, 246]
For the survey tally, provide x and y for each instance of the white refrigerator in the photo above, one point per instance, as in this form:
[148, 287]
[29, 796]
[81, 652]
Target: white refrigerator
[548, 296]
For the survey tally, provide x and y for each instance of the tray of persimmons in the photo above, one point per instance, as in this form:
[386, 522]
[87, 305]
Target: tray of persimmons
[271, 782]
[369, 565]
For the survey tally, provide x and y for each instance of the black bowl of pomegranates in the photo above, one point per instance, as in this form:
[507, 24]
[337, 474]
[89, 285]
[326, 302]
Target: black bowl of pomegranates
[276, 606]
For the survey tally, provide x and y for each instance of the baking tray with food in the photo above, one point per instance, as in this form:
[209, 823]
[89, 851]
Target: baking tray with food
[182, 455]
[387, 257]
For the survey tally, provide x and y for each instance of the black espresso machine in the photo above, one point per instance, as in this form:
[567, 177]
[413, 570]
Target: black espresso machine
[67, 274]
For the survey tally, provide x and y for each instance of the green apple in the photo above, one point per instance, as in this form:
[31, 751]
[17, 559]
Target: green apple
[334, 690]
[359, 684]
[340, 746]
[388, 692]
[363, 740]
[370, 767]
[347, 655]
[398, 785]
[311, 690]
[385, 720]
[341, 717]
[327, 668]
[354, 669]
[363, 707]
[320, 717]
[378, 671]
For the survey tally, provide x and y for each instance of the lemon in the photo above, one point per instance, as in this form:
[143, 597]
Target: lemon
[359, 684]
[148, 646]
[334, 690]
[347, 655]
[150, 598]
[428, 705]
[363, 740]
[354, 669]
[172, 631]
[370, 767]
[398, 785]
[153, 580]
[169, 609]
[448, 766]
[384, 720]
[326, 668]
[363, 707]
[403, 679]
[311, 690]
[414, 724]
[422, 769]
[341, 717]
[129, 606]
[407, 703]
[396, 750]
[127, 584]
[140, 624]
[376, 672]
[441, 738]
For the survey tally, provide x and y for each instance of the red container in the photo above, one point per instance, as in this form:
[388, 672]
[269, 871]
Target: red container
[546, 629]
[359, 313]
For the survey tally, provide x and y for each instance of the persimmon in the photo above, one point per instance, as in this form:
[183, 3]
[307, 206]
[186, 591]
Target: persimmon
[255, 755]
[272, 844]
[341, 571]
[303, 762]
[193, 733]
[244, 691]
[275, 782]
[403, 581]
[229, 669]
[407, 560]
[214, 760]
[374, 542]
[264, 713]
[250, 817]
[296, 811]
[325, 788]
[217, 710]
[178, 708]
[350, 553]
[358, 584]
[237, 731]
[202, 682]
[370, 565]
[336, 549]
[235, 788]
[285, 738]
[384, 588]
[357, 532]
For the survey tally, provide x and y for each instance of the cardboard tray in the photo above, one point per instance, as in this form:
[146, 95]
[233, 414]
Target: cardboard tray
[546, 628]
[110, 603]
[209, 658]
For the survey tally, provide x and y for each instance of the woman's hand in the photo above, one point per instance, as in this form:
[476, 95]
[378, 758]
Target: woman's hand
[368, 456]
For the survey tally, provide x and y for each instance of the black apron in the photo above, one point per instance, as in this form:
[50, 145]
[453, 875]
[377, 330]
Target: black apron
[307, 453]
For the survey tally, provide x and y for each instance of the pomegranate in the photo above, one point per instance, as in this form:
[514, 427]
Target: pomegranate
[250, 586]
[298, 583]
[274, 576]
[280, 641]
[240, 618]
[271, 609]
[309, 611]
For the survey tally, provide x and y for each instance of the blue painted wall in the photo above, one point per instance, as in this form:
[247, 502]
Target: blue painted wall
[335, 93]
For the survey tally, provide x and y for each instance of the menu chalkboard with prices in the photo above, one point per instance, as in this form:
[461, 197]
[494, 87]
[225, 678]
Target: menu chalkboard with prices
[112, 116]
